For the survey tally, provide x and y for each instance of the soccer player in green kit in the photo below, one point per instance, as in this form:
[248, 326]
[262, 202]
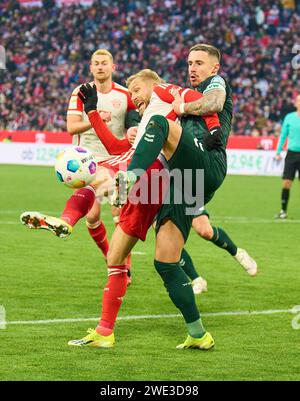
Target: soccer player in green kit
[201, 222]
[190, 147]
[291, 130]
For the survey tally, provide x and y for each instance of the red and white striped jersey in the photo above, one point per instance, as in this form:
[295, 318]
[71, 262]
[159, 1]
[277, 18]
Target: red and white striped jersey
[160, 104]
[118, 102]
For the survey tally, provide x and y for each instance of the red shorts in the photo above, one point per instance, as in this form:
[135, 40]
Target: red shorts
[112, 169]
[119, 162]
[137, 216]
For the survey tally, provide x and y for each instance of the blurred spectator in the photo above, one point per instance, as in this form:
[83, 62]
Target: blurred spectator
[48, 51]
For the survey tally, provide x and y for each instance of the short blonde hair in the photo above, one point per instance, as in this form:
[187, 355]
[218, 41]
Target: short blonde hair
[211, 50]
[145, 74]
[103, 52]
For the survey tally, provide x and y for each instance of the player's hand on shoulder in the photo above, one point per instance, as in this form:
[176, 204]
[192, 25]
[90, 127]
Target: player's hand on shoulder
[177, 101]
[88, 95]
[131, 134]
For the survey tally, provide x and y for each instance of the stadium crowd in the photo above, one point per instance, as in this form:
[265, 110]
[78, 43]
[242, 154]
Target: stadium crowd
[48, 51]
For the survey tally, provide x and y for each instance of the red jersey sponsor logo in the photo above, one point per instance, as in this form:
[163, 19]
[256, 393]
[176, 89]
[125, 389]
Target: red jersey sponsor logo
[116, 103]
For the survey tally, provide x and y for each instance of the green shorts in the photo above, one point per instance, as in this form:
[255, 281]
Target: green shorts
[176, 212]
[201, 212]
[190, 155]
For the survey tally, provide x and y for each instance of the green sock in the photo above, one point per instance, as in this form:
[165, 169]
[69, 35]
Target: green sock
[187, 265]
[196, 329]
[179, 289]
[222, 240]
[150, 145]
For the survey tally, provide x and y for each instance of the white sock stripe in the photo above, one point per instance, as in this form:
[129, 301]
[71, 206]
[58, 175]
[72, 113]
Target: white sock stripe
[93, 226]
[117, 270]
[115, 273]
[91, 189]
[114, 270]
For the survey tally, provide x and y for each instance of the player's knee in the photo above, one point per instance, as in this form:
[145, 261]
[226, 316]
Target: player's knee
[114, 259]
[168, 255]
[93, 221]
[93, 217]
[205, 231]
[287, 184]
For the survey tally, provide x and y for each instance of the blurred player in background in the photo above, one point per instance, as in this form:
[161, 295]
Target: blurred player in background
[290, 130]
[221, 239]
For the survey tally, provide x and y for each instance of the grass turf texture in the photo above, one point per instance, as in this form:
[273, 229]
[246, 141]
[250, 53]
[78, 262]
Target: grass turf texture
[43, 277]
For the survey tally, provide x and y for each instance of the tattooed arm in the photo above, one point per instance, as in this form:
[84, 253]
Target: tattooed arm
[211, 102]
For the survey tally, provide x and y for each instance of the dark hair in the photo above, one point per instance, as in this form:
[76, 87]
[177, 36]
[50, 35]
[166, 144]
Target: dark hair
[212, 50]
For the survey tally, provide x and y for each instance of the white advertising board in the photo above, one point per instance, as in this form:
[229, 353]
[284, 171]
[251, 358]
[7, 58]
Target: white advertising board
[240, 161]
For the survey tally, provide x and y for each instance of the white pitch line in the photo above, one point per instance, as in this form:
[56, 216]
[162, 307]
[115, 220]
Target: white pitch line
[256, 220]
[21, 211]
[139, 317]
[224, 219]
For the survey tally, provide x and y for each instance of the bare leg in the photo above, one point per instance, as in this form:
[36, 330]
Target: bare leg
[203, 227]
[121, 245]
[169, 243]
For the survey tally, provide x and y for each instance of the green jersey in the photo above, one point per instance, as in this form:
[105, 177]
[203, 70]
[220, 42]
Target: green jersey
[191, 156]
[197, 125]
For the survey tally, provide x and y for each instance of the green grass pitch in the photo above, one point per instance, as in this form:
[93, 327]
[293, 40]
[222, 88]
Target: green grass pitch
[43, 278]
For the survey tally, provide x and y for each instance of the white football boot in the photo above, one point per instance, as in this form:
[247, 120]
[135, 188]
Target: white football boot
[37, 220]
[199, 285]
[245, 260]
[282, 215]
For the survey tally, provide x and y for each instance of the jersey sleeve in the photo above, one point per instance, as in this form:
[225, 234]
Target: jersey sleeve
[217, 82]
[189, 95]
[284, 134]
[164, 92]
[212, 120]
[75, 104]
[113, 145]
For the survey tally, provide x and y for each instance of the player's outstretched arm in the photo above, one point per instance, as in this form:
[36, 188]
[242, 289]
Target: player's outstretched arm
[211, 102]
[211, 140]
[114, 146]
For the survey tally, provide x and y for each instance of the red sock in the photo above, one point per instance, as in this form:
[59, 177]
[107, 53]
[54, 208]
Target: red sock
[113, 294]
[100, 237]
[78, 205]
